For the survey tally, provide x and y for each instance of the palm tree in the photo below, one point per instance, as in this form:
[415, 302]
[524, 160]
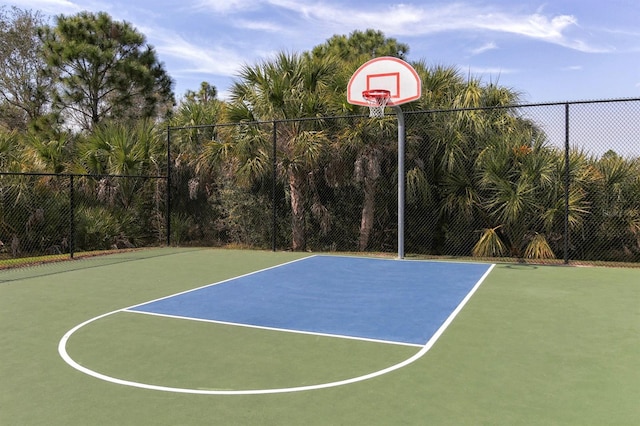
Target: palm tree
[49, 153]
[198, 155]
[290, 86]
[12, 188]
[196, 141]
[465, 117]
[368, 144]
[10, 155]
[614, 193]
[523, 180]
[517, 177]
[33, 207]
[114, 148]
[116, 203]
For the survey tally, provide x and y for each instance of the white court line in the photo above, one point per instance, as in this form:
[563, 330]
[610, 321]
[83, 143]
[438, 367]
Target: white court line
[218, 282]
[284, 330]
[62, 350]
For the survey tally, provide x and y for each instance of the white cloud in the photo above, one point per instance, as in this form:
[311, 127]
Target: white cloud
[197, 58]
[418, 20]
[535, 26]
[53, 7]
[258, 25]
[212, 39]
[494, 71]
[227, 6]
[484, 48]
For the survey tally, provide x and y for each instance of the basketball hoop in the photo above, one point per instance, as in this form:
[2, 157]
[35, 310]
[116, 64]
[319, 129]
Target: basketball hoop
[372, 85]
[377, 101]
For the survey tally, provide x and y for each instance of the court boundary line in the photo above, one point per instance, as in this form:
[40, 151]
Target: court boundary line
[283, 330]
[62, 351]
[83, 263]
[216, 283]
[404, 259]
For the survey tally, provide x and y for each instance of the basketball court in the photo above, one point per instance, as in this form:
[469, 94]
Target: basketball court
[204, 336]
[195, 336]
[406, 303]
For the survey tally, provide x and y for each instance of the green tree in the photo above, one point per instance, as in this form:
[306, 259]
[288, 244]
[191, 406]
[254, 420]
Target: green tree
[523, 206]
[121, 204]
[48, 155]
[288, 87]
[517, 174]
[197, 155]
[118, 149]
[360, 46]
[612, 231]
[207, 94]
[486, 169]
[365, 144]
[104, 69]
[197, 113]
[428, 136]
[24, 89]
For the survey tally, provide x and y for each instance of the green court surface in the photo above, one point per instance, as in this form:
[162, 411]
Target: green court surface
[535, 345]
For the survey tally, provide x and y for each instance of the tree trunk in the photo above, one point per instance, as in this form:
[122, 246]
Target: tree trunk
[368, 213]
[370, 169]
[296, 184]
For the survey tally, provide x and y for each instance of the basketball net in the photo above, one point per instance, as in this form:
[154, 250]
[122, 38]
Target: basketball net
[377, 100]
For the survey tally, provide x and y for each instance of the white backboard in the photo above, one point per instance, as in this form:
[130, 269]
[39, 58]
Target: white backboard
[388, 73]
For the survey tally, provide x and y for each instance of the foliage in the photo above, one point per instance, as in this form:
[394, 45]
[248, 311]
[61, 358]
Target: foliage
[24, 88]
[10, 154]
[49, 155]
[104, 70]
[286, 159]
[205, 96]
[613, 192]
[99, 227]
[289, 86]
[368, 144]
[360, 46]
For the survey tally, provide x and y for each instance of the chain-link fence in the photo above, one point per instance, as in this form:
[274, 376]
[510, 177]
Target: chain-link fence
[546, 183]
[31, 207]
[550, 182]
[59, 215]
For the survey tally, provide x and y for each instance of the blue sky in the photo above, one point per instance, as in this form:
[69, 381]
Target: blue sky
[549, 51]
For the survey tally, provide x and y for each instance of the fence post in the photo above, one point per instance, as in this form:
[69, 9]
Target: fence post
[168, 208]
[401, 180]
[566, 183]
[72, 222]
[273, 189]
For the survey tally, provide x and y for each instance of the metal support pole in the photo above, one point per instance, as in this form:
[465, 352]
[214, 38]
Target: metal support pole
[72, 220]
[566, 183]
[401, 184]
[168, 207]
[273, 188]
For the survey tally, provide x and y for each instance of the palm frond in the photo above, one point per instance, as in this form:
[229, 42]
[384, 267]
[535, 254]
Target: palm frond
[490, 244]
[538, 248]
